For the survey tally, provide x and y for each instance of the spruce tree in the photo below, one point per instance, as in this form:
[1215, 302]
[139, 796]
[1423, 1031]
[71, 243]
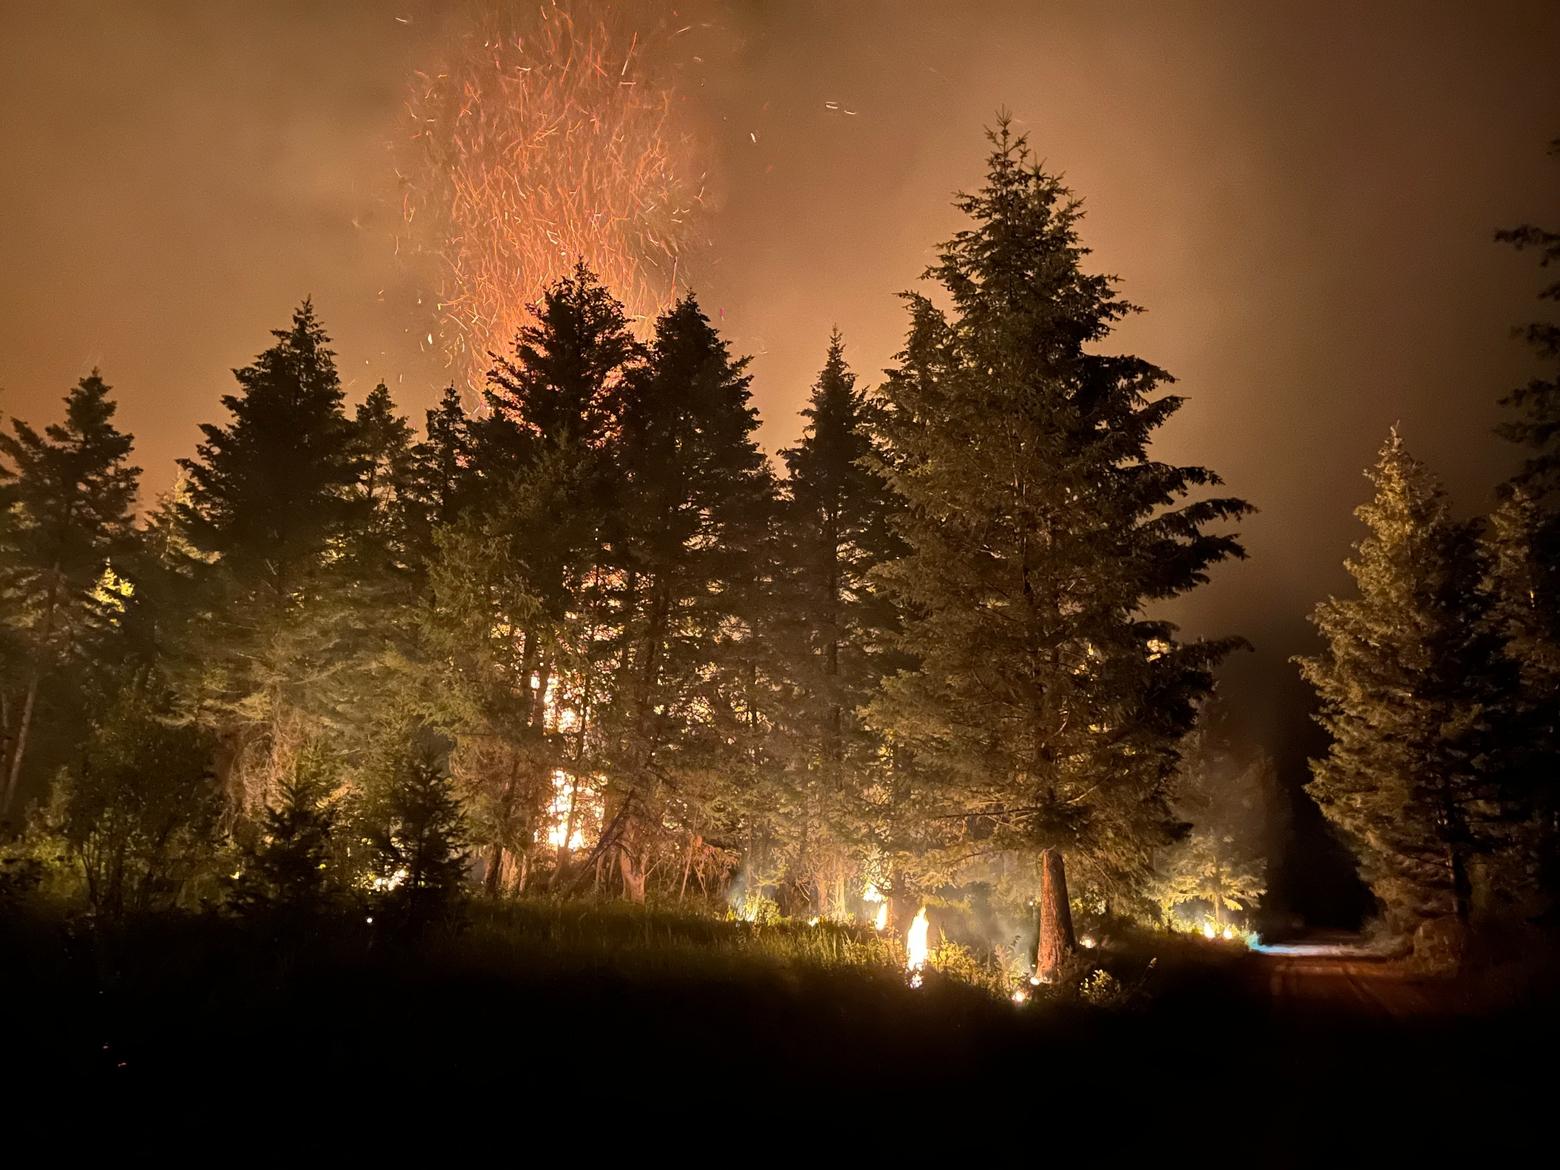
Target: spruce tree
[1523, 546]
[274, 498]
[514, 574]
[69, 493]
[1410, 692]
[441, 469]
[1537, 403]
[688, 545]
[1049, 702]
[834, 626]
[417, 830]
[1522, 592]
[1222, 793]
[383, 448]
[286, 869]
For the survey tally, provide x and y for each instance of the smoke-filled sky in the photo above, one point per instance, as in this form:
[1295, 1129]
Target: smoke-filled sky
[1302, 196]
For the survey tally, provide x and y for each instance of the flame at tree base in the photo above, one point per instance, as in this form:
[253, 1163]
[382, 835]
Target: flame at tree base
[915, 947]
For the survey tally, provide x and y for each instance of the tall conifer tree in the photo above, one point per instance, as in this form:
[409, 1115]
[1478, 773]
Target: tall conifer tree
[1410, 696]
[1049, 702]
[273, 501]
[68, 493]
[834, 625]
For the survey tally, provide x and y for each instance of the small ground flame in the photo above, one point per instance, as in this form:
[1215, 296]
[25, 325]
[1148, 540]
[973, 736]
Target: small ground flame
[873, 896]
[915, 947]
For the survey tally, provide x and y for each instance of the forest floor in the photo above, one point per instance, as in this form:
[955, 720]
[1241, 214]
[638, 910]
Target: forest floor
[578, 1019]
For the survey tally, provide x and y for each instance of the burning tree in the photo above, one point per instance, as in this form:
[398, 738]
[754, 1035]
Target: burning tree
[1047, 708]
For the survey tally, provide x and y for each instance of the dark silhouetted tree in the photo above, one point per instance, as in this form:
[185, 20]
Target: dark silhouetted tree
[140, 809]
[69, 494]
[834, 626]
[287, 869]
[417, 831]
[274, 497]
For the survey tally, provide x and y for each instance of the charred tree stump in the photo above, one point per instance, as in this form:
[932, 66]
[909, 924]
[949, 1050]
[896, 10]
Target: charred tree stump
[1056, 928]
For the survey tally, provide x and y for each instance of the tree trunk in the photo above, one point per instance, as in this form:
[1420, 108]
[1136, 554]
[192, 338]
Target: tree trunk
[492, 880]
[1056, 928]
[631, 864]
[19, 746]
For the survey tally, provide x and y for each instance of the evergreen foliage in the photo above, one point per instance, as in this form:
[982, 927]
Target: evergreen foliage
[1048, 701]
[140, 811]
[68, 495]
[835, 629]
[286, 871]
[416, 832]
[1411, 695]
[273, 501]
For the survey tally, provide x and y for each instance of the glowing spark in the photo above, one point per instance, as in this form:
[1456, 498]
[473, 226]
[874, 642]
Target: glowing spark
[1208, 930]
[1229, 933]
[540, 138]
[1087, 942]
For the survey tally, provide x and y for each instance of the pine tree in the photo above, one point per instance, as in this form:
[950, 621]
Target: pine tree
[688, 543]
[285, 871]
[441, 469]
[514, 602]
[1048, 704]
[274, 497]
[834, 624]
[383, 442]
[1537, 404]
[417, 831]
[1523, 546]
[1410, 695]
[69, 491]
[1222, 794]
[1522, 590]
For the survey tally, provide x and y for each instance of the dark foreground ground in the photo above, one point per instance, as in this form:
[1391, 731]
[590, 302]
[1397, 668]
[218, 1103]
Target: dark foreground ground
[513, 1042]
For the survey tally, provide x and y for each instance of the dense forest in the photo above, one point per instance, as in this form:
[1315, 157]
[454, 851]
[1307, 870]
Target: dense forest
[578, 638]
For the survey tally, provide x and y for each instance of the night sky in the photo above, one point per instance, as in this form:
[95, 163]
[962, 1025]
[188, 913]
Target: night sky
[1301, 196]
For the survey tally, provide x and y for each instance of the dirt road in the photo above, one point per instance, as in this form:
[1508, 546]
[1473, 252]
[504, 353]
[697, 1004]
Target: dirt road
[1343, 975]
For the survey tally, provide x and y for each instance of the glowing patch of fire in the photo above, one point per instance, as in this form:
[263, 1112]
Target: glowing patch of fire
[872, 895]
[561, 812]
[915, 947]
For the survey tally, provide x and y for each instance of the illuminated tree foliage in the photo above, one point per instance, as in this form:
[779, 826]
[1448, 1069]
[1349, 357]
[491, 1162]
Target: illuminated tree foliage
[273, 499]
[67, 494]
[515, 583]
[139, 810]
[1411, 697]
[1048, 704]
[1222, 794]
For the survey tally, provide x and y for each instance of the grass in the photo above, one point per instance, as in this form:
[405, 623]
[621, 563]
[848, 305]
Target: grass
[547, 1021]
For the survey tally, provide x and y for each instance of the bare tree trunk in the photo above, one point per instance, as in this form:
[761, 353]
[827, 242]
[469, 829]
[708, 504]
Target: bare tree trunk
[1056, 928]
[631, 864]
[491, 881]
[19, 747]
[693, 841]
